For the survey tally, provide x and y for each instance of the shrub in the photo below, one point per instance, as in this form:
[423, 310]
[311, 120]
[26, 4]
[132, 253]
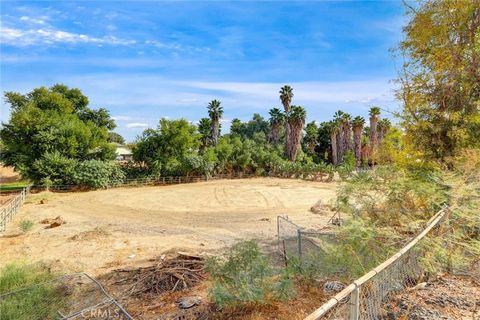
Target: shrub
[54, 168]
[26, 225]
[35, 303]
[246, 276]
[98, 174]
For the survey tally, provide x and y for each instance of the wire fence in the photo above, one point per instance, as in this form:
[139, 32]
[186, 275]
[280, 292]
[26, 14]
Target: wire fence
[367, 297]
[8, 211]
[75, 296]
[296, 242]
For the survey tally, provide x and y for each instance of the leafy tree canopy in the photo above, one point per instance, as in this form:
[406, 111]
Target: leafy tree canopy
[53, 121]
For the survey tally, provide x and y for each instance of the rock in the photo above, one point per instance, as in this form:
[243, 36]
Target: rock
[43, 201]
[333, 286]
[53, 223]
[188, 302]
[265, 219]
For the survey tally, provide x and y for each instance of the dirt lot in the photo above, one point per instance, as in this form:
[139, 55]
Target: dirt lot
[127, 226]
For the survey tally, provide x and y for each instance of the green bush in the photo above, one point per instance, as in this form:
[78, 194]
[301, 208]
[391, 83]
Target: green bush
[247, 276]
[54, 168]
[39, 302]
[98, 174]
[26, 225]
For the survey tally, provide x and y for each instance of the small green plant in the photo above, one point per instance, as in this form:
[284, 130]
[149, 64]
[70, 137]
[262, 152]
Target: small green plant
[26, 225]
[247, 276]
[41, 300]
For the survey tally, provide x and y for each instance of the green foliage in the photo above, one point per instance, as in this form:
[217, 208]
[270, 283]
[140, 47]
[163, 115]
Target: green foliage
[165, 149]
[53, 126]
[115, 137]
[38, 302]
[26, 225]
[54, 168]
[97, 174]
[439, 82]
[246, 276]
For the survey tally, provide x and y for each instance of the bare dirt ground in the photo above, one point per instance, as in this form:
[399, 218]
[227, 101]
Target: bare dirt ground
[127, 226]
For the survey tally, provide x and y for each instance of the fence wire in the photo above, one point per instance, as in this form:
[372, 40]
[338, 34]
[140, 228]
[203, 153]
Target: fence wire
[367, 297]
[76, 296]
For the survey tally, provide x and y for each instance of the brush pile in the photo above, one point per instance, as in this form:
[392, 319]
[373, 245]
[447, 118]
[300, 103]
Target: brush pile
[168, 275]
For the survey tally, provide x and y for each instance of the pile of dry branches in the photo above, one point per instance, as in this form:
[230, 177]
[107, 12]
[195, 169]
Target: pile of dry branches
[168, 275]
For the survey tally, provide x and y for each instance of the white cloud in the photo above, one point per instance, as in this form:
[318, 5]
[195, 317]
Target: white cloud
[136, 125]
[33, 20]
[29, 37]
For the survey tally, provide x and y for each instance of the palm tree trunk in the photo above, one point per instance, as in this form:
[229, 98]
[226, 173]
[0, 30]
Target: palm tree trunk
[287, 139]
[357, 137]
[274, 133]
[340, 144]
[347, 138]
[295, 139]
[373, 138]
[333, 142]
[215, 126]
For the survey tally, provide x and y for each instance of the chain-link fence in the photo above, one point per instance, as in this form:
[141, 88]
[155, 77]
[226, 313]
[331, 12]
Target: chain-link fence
[8, 211]
[294, 241]
[366, 297]
[75, 296]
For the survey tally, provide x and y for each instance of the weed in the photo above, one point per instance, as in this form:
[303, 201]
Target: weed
[26, 225]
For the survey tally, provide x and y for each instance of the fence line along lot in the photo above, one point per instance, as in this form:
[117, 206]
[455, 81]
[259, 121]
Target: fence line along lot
[122, 226]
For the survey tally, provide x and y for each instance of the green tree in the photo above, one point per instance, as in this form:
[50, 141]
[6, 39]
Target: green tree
[53, 121]
[215, 111]
[165, 149]
[238, 128]
[374, 117]
[204, 128]
[311, 137]
[382, 129]
[115, 137]
[440, 78]
[286, 95]
[296, 119]
[357, 124]
[276, 120]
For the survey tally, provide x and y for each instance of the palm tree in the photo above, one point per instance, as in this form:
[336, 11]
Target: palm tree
[357, 124]
[286, 95]
[205, 128]
[382, 128]
[337, 117]
[347, 133]
[276, 120]
[374, 116]
[296, 119]
[215, 111]
[332, 128]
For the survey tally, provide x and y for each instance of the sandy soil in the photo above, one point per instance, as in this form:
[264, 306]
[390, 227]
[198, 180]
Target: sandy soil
[127, 226]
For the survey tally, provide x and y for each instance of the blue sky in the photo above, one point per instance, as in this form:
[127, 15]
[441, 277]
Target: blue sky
[148, 60]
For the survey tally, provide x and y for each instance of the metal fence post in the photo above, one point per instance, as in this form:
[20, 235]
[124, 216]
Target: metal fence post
[355, 303]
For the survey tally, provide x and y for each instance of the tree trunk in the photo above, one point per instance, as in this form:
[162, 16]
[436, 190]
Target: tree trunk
[274, 133]
[357, 138]
[340, 139]
[215, 126]
[295, 139]
[373, 139]
[333, 142]
[347, 137]
[287, 138]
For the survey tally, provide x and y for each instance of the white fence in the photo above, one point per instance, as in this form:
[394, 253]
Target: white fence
[8, 211]
[365, 297]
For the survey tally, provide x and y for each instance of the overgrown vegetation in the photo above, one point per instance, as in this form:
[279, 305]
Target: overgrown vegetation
[246, 275]
[41, 300]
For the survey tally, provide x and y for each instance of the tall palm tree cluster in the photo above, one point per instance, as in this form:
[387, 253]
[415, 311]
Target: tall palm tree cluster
[346, 136]
[294, 121]
[345, 132]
